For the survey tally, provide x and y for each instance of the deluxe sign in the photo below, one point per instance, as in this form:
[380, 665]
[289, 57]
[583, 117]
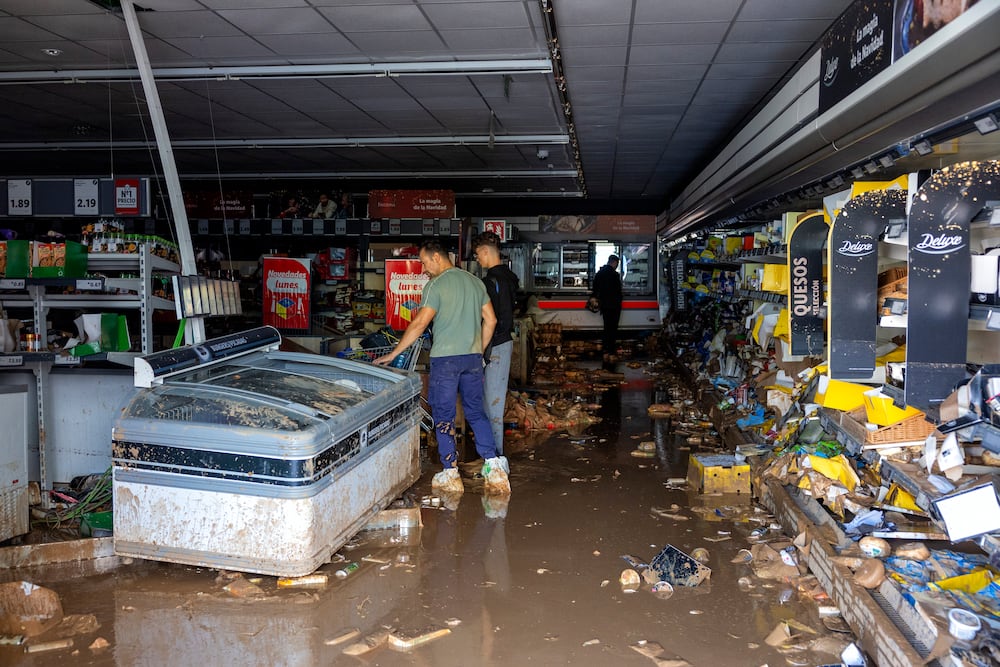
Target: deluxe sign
[856, 48]
[805, 299]
[853, 260]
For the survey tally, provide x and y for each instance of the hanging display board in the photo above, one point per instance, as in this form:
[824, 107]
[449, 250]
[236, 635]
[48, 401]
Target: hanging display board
[411, 204]
[805, 292]
[86, 195]
[856, 48]
[286, 292]
[939, 278]
[404, 286]
[853, 261]
[19, 197]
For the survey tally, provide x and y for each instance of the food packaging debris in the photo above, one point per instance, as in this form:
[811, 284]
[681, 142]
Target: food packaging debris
[629, 580]
[874, 547]
[642, 454]
[27, 609]
[678, 568]
[403, 643]
[742, 556]
[343, 636]
[788, 557]
[591, 642]
[53, 645]
[663, 590]
[308, 581]
[647, 446]
[241, 588]
[345, 571]
[700, 554]
[453, 622]
[99, 644]
[913, 551]
[871, 574]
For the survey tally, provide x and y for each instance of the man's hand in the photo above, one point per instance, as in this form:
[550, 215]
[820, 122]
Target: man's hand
[385, 360]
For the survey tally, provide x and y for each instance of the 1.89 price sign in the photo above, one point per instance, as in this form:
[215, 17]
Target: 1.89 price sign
[19, 197]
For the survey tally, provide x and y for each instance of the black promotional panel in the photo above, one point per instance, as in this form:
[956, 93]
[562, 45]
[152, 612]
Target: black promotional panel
[856, 48]
[805, 293]
[853, 258]
[940, 266]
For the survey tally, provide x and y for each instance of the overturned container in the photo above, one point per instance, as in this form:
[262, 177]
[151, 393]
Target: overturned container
[238, 456]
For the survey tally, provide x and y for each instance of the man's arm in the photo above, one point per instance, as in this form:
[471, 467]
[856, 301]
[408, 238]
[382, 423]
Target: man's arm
[417, 326]
[489, 324]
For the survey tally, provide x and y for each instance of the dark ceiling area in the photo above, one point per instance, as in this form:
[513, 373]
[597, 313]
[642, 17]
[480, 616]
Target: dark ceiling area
[519, 106]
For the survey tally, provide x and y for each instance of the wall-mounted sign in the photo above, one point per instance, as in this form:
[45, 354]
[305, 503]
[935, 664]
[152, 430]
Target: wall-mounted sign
[404, 286]
[805, 292]
[498, 227]
[411, 204]
[230, 204]
[126, 196]
[856, 48]
[937, 328]
[598, 224]
[286, 292]
[853, 260]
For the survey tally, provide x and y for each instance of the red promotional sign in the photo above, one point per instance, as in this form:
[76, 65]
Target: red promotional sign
[411, 204]
[404, 285]
[498, 227]
[286, 292]
[126, 196]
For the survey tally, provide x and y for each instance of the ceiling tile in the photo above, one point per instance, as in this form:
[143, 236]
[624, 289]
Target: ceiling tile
[120, 50]
[670, 87]
[657, 11]
[759, 51]
[246, 4]
[769, 10]
[743, 70]
[37, 7]
[73, 54]
[654, 72]
[595, 12]
[573, 37]
[672, 54]
[385, 18]
[289, 21]
[222, 49]
[516, 41]
[8, 58]
[176, 5]
[777, 31]
[168, 25]
[314, 45]
[679, 33]
[603, 56]
[18, 30]
[594, 74]
[391, 44]
[464, 15]
[750, 88]
[89, 26]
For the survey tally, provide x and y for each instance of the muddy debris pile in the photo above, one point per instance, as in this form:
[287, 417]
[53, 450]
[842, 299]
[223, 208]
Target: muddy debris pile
[32, 617]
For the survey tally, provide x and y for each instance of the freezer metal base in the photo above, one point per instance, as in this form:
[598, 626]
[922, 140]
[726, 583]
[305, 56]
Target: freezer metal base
[158, 518]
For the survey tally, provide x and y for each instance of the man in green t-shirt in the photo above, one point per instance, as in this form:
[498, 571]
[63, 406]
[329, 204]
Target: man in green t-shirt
[457, 303]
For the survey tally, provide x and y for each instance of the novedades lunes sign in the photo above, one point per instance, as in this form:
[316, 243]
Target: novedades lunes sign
[805, 264]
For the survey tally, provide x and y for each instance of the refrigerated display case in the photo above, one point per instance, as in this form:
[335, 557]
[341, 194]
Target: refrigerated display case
[238, 456]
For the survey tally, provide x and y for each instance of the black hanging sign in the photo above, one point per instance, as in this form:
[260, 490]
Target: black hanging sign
[939, 277]
[855, 48]
[805, 293]
[853, 259]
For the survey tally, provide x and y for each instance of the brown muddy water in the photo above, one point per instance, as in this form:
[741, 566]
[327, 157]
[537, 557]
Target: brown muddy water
[538, 586]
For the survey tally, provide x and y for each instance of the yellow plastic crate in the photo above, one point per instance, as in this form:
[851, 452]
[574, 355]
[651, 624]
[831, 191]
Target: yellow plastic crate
[880, 409]
[718, 473]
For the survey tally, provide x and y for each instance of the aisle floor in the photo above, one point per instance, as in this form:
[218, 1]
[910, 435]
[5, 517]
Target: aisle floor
[538, 586]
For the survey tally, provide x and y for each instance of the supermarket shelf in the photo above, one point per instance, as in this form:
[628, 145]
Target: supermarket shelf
[893, 251]
[775, 254]
[19, 359]
[716, 264]
[127, 262]
[83, 284]
[977, 318]
[771, 297]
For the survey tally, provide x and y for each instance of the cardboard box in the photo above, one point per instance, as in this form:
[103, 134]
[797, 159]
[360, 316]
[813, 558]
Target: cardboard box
[718, 473]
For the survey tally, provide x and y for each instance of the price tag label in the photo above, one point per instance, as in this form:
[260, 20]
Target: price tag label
[376, 227]
[90, 284]
[298, 226]
[428, 228]
[245, 227]
[11, 360]
[276, 227]
[444, 226]
[60, 360]
[319, 227]
[340, 227]
[85, 196]
[11, 283]
[394, 228]
[203, 227]
[19, 197]
[229, 226]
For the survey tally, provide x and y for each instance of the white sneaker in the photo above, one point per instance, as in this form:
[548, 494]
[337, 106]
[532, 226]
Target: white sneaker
[448, 481]
[497, 482]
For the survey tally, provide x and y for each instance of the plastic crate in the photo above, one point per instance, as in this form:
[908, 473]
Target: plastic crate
[718, 473]
[678, 568]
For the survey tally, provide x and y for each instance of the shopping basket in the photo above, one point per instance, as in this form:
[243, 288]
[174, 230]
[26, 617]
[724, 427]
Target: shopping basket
[407, 360]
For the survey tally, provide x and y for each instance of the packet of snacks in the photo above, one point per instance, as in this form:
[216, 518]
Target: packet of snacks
[3, 258]
[44, 254]
[58, 254]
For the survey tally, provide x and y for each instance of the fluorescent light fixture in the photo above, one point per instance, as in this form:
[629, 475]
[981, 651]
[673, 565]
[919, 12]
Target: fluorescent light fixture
[858, 172]
[923, 147]
[986, 124]
[886, 161]
[52, 52]
[871, 167]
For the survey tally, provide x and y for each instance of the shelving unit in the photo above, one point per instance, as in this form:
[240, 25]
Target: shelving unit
[33, 296]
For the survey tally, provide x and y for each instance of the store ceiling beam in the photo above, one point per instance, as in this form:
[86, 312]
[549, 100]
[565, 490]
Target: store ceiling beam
[413, 175]
[239, 72]
[298, 142]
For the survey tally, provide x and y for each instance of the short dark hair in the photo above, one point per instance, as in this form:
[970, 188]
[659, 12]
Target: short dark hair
[431, 246]
[487, 239]
[614, 258]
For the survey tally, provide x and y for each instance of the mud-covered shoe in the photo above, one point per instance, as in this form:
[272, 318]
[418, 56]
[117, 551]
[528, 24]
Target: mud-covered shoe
[448, 481]
[496, 481]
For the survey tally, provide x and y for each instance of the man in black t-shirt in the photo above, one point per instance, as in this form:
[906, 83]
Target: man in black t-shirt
[608, 290]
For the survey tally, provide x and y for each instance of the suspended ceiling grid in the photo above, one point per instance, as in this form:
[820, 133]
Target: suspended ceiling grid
[654, 87]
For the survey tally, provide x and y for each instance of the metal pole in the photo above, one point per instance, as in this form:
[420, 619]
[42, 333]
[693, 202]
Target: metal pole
[195, 329]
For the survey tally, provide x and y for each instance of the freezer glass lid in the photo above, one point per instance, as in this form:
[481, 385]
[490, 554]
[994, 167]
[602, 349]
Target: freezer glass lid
[194, 404]
[330, 397]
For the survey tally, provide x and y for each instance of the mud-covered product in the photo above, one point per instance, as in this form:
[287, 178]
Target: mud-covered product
[266, 462]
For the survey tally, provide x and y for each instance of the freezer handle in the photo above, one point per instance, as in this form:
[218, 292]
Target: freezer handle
[153, 368]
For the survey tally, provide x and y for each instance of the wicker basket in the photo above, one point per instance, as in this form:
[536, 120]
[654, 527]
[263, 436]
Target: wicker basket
[911, 429]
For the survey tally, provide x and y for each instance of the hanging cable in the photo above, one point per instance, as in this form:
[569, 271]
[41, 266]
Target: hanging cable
[218, 173]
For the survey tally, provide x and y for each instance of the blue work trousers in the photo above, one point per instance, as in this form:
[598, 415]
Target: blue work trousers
[451, 377]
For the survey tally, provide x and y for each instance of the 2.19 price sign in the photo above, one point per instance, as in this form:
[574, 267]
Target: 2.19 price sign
[19, 197]
[85, 193]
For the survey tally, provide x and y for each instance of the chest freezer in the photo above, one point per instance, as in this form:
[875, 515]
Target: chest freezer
[237, 456]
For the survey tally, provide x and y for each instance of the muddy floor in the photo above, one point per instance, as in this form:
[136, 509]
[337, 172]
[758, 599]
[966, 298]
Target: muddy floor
[535, 582]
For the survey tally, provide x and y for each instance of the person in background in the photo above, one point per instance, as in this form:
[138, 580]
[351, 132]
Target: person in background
[501, 285]
[326, 208]
[346, 207]
[607, 288]
[292, 211]
[457, 303]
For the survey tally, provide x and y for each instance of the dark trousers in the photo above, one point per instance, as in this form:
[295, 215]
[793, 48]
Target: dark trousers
[451, 377]
[609, 341]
